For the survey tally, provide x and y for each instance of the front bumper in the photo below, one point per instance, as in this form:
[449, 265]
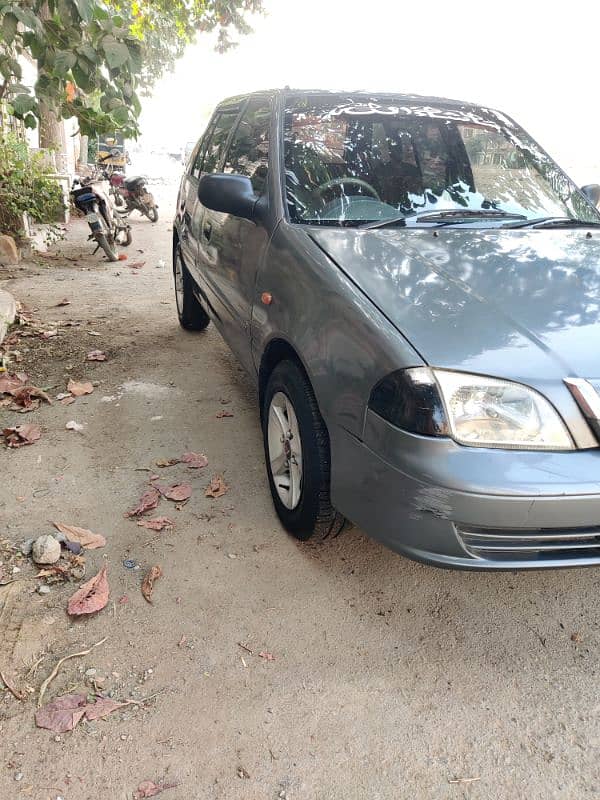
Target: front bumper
[468, 508]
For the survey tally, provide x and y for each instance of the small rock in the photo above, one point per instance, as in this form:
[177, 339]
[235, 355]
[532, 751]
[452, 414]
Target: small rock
[46, 550]
[15, 570]
[90, 672]
[26, 546]
[43, 589]
[9, 255]
[18, 776]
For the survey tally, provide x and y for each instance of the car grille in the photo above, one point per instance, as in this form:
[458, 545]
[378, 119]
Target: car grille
[535, 545]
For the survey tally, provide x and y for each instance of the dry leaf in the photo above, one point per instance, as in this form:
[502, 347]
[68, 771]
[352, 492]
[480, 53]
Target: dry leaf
[267, 656]
[96, 355]
[167, 462]
[147, 502]
[156, 523]
[78, 389]
[153, 574]
[66, 401]
[83, 536]
[102, 708]
[24, 397]
[216, 487]
[64, 302]
[92, 596]
[136, 264]
[194, 460]
[9, 384]
[62, 714]
[222, 414]
[20, 435]
[151, 789]
[178, 492]
[49, 334]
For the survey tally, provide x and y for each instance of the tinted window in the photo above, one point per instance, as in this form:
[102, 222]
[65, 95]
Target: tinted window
[216, 143]
[249, 149]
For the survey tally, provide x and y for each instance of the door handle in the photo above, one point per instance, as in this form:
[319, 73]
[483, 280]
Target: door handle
[207, 230]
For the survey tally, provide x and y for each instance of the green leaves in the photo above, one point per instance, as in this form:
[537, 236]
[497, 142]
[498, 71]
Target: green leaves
[108, 49]
[116, 53]
[63, 61]
[9, 28]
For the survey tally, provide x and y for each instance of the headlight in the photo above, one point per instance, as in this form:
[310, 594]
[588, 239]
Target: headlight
[474, 410]
[487, 412]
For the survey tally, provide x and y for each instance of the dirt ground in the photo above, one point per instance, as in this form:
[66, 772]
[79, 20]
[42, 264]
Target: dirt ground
[388, 679]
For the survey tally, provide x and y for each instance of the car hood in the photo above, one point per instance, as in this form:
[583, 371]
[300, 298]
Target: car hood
[518, 304]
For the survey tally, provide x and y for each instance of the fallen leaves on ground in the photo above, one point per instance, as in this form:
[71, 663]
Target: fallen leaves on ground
[267, 656]
[167, 462]
[153, 574]
[49, 334]
[64, 302]
[194, 460]
[216, 487]
[147, 502]
[84, 536]
[91, 597]
[177, 492]
[63, 713]
[9, 384]
[156, 523]
[28, 398]
[151, 789]
[96, 355]
[20, 435]
[136, 264]
[78, 389]
[223, 414]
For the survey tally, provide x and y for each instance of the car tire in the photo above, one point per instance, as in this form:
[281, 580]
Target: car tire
[301, 497]
[191, 315]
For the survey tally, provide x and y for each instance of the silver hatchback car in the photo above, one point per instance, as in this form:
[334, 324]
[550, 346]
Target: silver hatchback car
[415, 286]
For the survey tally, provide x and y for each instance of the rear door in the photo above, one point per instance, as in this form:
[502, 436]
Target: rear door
[231, 248]
[189, 210]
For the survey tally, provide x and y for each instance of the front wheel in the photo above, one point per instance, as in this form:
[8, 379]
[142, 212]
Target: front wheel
[152, 214]
[109, 249]
[191, 315]
[297, 453]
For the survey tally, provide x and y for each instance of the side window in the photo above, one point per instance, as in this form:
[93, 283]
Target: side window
[218, 139]
[249, 149]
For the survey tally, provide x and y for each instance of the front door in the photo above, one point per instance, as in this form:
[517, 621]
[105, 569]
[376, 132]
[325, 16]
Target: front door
[230, 248]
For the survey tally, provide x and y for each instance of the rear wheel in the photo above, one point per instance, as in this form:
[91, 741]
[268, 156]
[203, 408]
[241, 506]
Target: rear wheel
[191, 315]
[297, 453]
[107, 246]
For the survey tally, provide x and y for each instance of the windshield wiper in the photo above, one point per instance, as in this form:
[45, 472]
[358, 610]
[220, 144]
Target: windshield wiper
[549, 222]
[448, 217]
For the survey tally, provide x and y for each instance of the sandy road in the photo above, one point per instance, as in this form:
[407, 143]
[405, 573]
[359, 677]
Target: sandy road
[389, 680]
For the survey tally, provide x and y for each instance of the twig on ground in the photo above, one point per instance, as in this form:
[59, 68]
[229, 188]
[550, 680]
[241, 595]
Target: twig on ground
[15, 693]
[247, 649]
[61, 661]
[463, 780]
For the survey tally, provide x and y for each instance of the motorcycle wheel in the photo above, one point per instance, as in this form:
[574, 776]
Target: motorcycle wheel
[152, 214]
[118, 199]
[110, 250]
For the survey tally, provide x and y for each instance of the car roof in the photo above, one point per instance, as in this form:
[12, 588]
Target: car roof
[401, 97]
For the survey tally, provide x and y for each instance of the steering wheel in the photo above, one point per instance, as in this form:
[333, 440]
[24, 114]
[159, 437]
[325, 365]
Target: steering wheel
[348, 179]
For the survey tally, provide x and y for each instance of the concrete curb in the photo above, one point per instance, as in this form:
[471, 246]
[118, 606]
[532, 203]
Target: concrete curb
[8, 312]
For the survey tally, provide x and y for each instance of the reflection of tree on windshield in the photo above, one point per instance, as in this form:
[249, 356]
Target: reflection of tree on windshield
[406, 160]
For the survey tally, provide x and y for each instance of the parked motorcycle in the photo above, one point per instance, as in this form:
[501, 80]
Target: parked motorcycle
[131, 195]
[108, 229]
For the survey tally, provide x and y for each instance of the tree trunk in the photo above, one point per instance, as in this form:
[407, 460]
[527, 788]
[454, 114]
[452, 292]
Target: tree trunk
[50, 125]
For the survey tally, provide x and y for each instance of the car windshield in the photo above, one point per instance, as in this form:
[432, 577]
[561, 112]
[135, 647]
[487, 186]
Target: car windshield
[360, 161]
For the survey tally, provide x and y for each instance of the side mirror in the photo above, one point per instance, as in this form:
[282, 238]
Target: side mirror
[230, 194]
[592, 192]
